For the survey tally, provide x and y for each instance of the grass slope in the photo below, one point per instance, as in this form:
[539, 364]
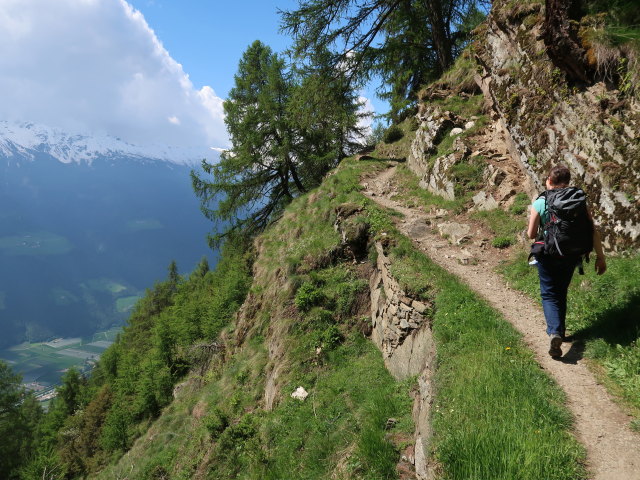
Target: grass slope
[496, 415]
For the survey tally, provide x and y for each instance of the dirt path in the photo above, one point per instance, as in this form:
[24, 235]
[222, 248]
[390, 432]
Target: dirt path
[613, 450]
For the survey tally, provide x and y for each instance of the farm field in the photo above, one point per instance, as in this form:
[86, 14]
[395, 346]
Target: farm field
[35, 243]
[42, 364]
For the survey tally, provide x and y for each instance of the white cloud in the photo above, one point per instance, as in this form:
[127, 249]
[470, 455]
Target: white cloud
[366, 109]
[96, 65]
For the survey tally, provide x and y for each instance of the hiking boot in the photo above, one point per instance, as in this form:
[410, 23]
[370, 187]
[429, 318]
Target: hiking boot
[556, 342]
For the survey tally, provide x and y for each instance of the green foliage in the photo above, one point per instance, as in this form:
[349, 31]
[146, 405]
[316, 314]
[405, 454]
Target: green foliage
[234, 438]
[216, 422]
[407, 43]
[69, 392]
[483, 371]
[376, 136]
[90, 421]
[502, 242]
[467, 176]
[331, 337]
[307, 296]
[260, 167]
[393, 134]
[620, 12]
[341, 429]
[19, 413]
[520, 204]
[287, 129]
[504, 226]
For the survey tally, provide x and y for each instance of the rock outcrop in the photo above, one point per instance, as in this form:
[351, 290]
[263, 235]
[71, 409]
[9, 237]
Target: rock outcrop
[592, 128]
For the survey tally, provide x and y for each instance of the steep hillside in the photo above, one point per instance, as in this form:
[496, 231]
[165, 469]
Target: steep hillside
[547, 115]
[368, 340]
[332, 272]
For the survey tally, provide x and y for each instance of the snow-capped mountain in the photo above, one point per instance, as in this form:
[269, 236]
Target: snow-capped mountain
[26, 140]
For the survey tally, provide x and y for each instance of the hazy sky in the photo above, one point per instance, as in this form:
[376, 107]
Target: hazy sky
[147, 71]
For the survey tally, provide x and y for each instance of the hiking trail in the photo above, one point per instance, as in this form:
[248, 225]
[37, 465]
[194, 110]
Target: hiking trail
[613, 449]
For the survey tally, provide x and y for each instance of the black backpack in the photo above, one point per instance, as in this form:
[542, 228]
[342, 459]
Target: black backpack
[569, 230]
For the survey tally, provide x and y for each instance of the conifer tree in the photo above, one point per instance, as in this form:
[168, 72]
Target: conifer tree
[278, 152]
[18, 414]
[258, 175]
[406, 42]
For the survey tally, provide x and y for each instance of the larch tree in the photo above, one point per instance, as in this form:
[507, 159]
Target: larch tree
[287, 128]
[406, 42]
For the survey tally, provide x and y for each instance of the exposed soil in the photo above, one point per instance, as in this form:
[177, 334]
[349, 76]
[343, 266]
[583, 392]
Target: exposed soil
[613, 449]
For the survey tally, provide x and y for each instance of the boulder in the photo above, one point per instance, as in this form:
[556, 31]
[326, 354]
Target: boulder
[484, 201]
[457, 233]
[300, 394]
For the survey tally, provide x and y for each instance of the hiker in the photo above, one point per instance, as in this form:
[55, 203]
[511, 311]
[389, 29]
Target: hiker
[577, 237]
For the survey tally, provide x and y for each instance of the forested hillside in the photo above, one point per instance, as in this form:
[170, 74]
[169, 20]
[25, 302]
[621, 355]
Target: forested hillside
[341, 335]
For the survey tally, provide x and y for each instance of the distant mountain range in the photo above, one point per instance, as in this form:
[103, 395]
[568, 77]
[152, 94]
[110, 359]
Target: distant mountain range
[28, 140]
[87, 223]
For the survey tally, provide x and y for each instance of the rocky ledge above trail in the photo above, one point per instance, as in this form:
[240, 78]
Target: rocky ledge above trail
[594, 129]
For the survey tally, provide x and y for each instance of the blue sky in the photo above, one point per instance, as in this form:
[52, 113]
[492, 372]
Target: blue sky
[209, 37]
[146, 71]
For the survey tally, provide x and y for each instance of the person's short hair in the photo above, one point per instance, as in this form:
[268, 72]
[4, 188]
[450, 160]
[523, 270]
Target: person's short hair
[559, 175]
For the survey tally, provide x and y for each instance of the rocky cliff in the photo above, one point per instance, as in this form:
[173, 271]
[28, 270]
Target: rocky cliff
[593, 127]
[539, 116]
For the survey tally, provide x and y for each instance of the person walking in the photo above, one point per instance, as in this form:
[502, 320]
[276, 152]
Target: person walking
[556, 268]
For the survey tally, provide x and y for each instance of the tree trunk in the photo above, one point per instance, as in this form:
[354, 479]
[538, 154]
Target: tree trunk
[565, 52]
[440, 34]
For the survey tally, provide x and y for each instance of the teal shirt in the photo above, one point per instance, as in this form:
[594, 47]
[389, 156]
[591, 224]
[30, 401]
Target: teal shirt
[540, 206]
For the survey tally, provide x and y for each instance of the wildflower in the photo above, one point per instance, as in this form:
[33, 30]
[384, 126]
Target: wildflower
[507, 348]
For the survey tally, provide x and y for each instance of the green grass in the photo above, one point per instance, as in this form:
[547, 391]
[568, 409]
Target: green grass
[461, 74]
[496, 415]
[520, 204]
[350, 401]
[465, 107]
[604, 314]
[504, 225]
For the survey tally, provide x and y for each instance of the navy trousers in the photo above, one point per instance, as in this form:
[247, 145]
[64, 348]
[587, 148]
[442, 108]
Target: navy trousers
[555, 276]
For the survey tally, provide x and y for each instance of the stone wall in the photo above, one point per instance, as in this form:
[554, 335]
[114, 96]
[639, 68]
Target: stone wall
[402, 331]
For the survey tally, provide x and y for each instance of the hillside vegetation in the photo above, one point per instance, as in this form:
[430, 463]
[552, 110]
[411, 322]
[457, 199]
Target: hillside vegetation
[274, 365]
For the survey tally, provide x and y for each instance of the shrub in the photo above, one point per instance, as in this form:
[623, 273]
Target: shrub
[235, 436]
[331, 337]
[502, 242]
[307, 296]
[393, 134]
[216, 422]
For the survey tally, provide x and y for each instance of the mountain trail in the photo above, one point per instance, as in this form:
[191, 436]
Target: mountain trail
[613, 449]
